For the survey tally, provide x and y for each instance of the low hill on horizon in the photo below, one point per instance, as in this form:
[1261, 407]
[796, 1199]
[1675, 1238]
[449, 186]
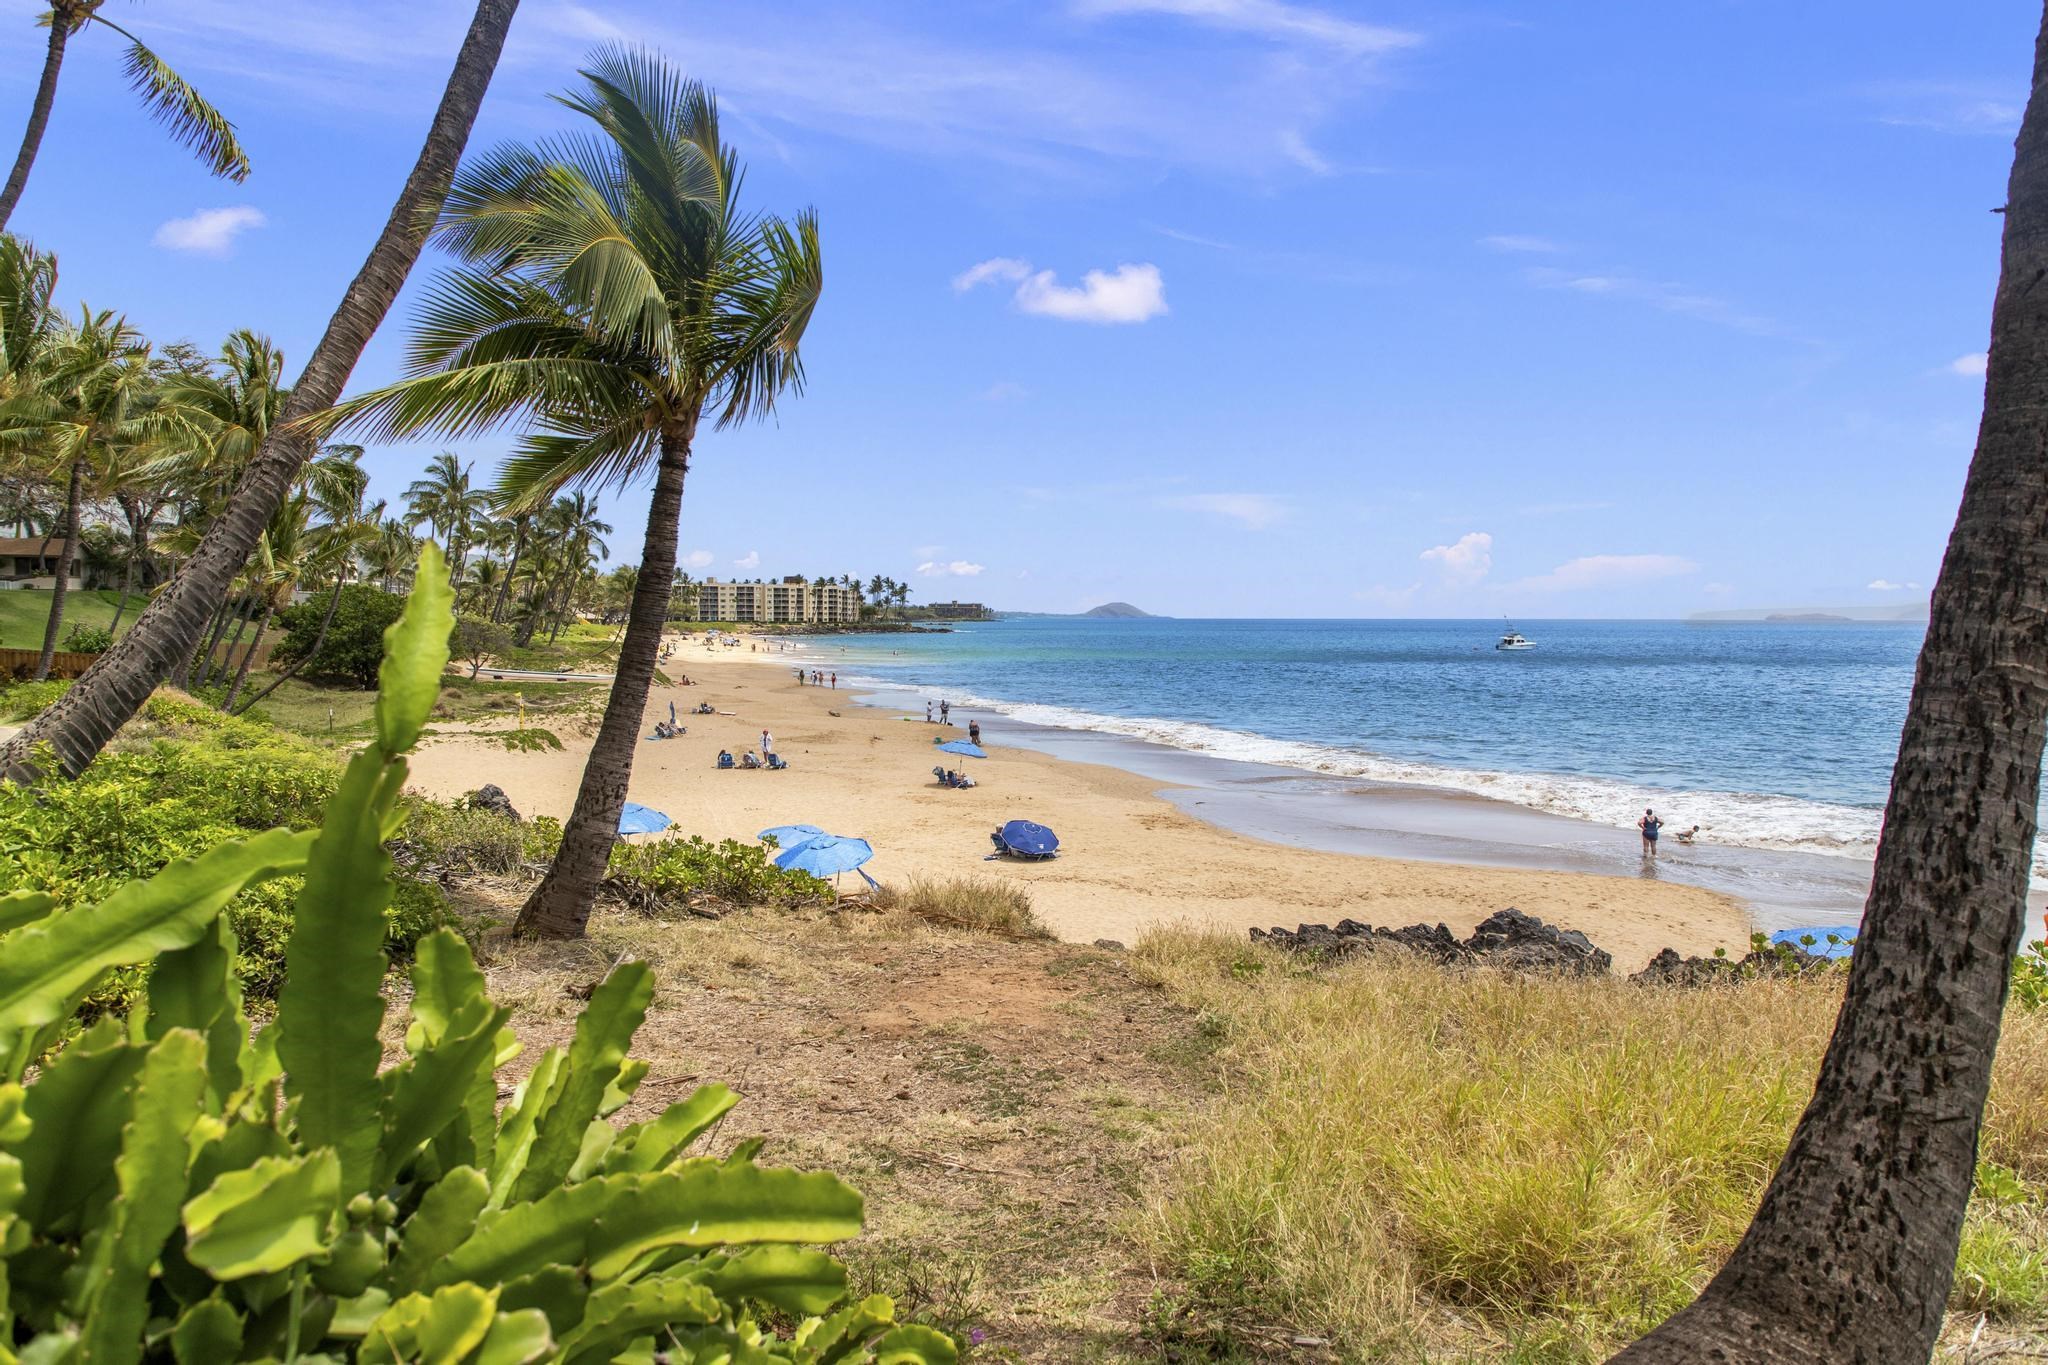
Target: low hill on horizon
[1119, 611]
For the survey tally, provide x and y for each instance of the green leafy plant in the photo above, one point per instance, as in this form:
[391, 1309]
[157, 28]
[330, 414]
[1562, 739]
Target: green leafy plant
[354, 644]
[668, 872]
[529, 739]
[2030, 975]
[23, 700]
[178, 1188]
[84, 639]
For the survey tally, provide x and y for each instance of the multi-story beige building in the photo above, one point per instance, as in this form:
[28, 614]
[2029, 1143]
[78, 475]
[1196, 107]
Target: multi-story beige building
[788, 601]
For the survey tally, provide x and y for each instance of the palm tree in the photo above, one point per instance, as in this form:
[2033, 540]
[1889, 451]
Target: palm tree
[337, 487]
[80, 722]
[174, 103]
[443, 499]
[389, 554]
[613, 292]
[1852, 1252]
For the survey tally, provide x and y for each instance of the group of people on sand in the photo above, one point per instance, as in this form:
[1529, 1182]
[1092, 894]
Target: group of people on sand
[816, 677]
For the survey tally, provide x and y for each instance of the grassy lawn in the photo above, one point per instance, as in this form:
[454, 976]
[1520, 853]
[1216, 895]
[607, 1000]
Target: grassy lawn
[344, 714]
[25, 612]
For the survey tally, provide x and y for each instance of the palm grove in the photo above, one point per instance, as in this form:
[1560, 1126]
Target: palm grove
[610, 292]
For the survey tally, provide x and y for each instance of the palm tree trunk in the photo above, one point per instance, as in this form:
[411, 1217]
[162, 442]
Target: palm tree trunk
[86, 716]
[560, 906]
[127, 590]
[235, 689]
[216, 662]
[67, 546]
[319, 639]
[209, 636]
[1851, 1255]
[505, 588]
[38, 115]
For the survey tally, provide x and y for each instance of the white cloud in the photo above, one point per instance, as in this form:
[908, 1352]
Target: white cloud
[1948, 106]
[1270, 19]
[1130, 293]
[750, 560]
[696, 559]
[1005, 268]
[1970, 366]
[1295, 148]
[1596, 571]
[1520, 244]
[1886, 585]
[1003, 391]
[956, 568]
[1662, 295]
[1466, 560]
[209, 232]
[1255, 510]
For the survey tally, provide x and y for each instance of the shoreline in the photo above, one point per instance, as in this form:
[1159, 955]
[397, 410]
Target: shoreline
[1137, 851]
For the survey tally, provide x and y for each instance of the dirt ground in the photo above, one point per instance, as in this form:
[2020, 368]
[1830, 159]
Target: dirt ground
[1001, 1104]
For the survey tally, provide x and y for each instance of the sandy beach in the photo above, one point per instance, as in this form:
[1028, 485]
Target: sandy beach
[1130, 858]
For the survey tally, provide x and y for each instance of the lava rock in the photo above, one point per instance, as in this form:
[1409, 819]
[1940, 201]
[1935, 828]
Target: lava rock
[1508, 939]
[491, 797]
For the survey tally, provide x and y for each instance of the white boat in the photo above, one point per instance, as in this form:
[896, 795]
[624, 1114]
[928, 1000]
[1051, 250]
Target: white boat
[1514, 639]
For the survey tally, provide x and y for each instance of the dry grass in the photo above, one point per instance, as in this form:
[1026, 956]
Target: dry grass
[1422, 1164]
[986, 905]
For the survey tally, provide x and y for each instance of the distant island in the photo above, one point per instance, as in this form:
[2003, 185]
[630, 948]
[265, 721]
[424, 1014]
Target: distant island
[1903, 612]
[1120, 611]
[1806, 617]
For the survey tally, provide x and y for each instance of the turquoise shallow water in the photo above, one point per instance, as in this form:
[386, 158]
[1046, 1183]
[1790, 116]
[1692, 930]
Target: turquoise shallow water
[1773, 736]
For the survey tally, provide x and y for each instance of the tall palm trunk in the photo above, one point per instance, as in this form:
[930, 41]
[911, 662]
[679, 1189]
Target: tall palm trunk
[86, 716]
[319, 639]
[511, 571]
[242, 673]
[38, 114]
[560, 906]
[1851, 1254]
[216, 663]
[127, 591]
[209, 636]
[67, 546]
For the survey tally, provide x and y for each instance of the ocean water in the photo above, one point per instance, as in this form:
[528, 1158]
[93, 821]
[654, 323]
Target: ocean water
[1768, 735]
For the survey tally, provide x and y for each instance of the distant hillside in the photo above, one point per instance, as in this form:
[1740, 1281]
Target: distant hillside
[1122, 611]
[1897, 611]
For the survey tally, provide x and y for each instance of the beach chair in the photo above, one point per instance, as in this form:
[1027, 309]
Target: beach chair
[777, 762]
[748, 760]
[724, 759]
[943, 776]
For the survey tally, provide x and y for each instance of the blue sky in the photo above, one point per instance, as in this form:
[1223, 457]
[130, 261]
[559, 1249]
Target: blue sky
[1222, 307]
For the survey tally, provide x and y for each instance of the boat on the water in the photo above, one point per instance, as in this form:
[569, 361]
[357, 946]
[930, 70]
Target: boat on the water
[1514, 639]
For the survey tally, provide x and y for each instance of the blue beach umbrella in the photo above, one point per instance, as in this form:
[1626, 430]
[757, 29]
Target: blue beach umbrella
[639, 819]
[789, 836]
[1845, 935]
[1028, 840]
[963, 746]
[825, 855]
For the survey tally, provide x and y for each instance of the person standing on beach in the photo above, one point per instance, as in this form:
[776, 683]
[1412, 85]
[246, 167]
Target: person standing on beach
[974, 731]
[767, 745]
[1649, 825]
[927, 713]
[945, 713]
[835, 682]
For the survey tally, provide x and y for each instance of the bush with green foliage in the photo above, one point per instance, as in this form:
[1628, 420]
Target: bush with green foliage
[355, 637]
[180, 1189]
[85, 639]
[668, 872]
[25, 700]
[477, 638]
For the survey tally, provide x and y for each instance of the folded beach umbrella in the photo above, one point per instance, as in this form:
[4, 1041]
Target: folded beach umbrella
[825, 855]
[1030, 840]
[639, 819]
[789, 836]
[963, 746]
[1845, 936]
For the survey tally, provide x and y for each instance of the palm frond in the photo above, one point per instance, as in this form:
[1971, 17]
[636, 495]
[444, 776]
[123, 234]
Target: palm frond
[172, 101]
[544, 463]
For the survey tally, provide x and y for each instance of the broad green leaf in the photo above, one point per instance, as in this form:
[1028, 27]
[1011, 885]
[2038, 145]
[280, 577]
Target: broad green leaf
[427, 1091]
[622, 1310]
[45, 964]
[556, 1290]
[795, 1279]
[331, 1006]
[604, 1031]
[415, 656]
[78, 1106]
[836, 1337]
[551, 1230]
[674, 1129]
[457, 1320]
[196, 988]
[14, 1120]
[111, 1286]
[444, 980]
[23, 907]
[620, 1092]
[208, 1332]
[516, 1128]
[278, 1212]
[598, 1137]
[914, 1344]
[710, 1205]
[354, 1317]
[447, 1215]
[521, 1338]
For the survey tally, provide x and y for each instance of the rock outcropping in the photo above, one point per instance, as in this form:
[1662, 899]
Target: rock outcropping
[1784, 959]
[1507, 939]
[491, 797]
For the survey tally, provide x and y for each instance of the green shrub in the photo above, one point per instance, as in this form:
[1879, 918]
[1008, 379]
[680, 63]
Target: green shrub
[2030, 976]
[355, 637]
[26, 700]
[185, 1190]
[85, 639]
[987, 905]
[669, 872]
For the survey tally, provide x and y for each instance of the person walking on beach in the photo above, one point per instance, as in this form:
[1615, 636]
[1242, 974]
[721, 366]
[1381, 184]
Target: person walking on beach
[1649, 825]
[974, 731]
[835, 682]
